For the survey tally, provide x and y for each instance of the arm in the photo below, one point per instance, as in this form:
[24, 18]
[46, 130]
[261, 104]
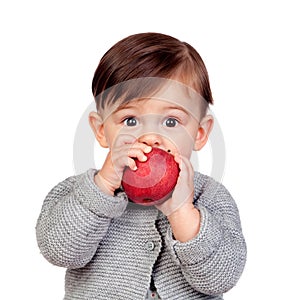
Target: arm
[212, 261]
[74, 218]
[77, 212]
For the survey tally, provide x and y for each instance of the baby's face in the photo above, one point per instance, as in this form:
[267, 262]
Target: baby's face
[168, 120]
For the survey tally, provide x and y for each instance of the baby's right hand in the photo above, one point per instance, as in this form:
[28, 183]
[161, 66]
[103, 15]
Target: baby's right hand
[121, 155]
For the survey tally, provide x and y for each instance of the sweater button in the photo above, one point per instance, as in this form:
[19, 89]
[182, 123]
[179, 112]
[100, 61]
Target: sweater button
[150, 245]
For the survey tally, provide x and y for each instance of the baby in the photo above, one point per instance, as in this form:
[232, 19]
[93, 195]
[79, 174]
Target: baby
[151, 91]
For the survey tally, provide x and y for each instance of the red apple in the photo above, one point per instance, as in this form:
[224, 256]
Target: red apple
[154, 180]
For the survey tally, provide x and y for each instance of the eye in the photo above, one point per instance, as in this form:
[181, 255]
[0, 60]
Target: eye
[130, 122]
[171, 122]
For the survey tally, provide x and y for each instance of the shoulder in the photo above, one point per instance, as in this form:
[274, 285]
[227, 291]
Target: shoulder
[67, 185]
[210, 191]
[204, 182]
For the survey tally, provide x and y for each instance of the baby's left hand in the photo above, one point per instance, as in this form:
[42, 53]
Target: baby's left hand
[184, 190]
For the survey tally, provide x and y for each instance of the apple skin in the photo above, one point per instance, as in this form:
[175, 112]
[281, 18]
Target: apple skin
[154, 180]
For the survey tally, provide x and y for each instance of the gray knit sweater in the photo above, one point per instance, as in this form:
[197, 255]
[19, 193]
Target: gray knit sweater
[111, 247]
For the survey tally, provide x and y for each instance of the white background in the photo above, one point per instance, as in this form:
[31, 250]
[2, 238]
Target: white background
[49, 51]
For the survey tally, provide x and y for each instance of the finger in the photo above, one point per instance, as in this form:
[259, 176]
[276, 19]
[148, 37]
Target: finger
[125, 156]
[131, 164]
[137, 153]
[121, 162]
[144, 147]
[177, 158]
[126, 143]
[185, 166]
[186, 163]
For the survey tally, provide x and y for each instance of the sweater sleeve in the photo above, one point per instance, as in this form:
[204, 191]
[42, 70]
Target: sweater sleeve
[214, 260]
[74, 218]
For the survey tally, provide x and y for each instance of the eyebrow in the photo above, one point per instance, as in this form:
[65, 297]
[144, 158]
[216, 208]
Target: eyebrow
[124, 108]
[135, 107]
[178, 108]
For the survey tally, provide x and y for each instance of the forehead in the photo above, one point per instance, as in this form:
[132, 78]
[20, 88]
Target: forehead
[168, 92]
[175, 94]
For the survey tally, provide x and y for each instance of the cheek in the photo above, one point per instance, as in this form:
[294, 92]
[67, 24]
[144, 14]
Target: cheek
[181, 141]
[110, 135]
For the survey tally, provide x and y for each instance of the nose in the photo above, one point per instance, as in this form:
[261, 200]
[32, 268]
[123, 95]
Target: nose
[151, 139]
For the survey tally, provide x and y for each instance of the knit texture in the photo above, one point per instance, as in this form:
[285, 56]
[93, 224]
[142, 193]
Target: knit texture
[111, 247]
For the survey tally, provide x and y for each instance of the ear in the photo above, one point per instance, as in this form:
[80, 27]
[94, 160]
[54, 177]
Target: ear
[98, 128]
[204, 130]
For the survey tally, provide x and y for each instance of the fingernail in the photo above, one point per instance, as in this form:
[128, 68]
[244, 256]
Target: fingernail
[148, 149]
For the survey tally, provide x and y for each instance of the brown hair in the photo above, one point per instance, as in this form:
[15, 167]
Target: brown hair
[148, 55]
